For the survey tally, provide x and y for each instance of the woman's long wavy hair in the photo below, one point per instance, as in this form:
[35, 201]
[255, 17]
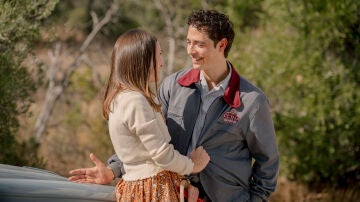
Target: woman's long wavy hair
[133, 56]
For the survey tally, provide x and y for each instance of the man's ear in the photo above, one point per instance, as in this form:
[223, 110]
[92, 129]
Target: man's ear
[222, 44]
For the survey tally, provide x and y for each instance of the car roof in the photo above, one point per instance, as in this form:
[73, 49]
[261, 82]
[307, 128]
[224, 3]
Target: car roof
[16, 172]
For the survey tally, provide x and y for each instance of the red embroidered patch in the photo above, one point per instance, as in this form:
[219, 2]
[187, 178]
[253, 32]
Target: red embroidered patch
[231, 117]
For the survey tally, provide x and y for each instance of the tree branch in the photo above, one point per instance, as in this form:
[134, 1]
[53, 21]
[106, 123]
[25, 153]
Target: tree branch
[56, 89]
[170, 29]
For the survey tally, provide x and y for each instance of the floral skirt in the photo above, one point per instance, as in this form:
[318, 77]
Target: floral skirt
[164, 186]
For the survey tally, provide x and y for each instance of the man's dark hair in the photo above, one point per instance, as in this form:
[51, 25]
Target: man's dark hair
[215, 24]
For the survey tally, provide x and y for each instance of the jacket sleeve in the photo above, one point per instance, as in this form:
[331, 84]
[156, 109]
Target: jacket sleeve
[115, 164]
[263, 147]
[164, 94]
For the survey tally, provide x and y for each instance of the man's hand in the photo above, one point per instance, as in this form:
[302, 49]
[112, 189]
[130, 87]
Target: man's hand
[100, 174]
[193, 193]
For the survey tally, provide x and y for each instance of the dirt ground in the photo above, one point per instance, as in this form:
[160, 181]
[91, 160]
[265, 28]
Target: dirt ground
[288, 191]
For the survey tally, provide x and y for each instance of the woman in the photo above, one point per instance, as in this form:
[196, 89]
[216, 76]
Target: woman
[153, 168]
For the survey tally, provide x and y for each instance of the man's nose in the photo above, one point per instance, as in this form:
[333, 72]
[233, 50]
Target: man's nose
[190, 49]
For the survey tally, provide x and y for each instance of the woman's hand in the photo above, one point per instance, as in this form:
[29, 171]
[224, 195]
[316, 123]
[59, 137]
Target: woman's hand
[200, 158]
[99, 174]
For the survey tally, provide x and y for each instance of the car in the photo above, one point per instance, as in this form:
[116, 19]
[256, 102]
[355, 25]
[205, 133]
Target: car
[33, 184]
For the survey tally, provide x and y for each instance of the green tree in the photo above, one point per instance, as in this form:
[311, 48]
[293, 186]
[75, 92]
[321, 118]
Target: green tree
[327, 146]
[77, 16]
[305, 56]
[19, 29]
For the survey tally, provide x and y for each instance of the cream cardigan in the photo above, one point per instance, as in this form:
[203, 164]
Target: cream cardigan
[141, 139]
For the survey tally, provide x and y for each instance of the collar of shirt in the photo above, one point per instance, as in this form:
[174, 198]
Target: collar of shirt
[232, 92]
[220, 87]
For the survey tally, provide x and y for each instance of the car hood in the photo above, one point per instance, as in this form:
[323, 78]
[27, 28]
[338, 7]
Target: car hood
[42, 185]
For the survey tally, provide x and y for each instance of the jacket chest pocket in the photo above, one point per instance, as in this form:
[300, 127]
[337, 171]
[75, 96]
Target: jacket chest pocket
[222, 134]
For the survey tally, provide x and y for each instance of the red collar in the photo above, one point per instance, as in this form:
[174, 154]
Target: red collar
[232, 92]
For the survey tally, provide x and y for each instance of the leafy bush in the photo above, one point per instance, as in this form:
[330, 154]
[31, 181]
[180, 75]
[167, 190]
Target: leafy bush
[19, 29]
[305, 56]
[321, 133]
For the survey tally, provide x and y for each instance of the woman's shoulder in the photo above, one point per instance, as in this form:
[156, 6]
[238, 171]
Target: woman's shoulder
[131, 98]
[129, 94]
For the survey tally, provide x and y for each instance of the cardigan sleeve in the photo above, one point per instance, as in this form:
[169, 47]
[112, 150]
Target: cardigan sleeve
[142, 121]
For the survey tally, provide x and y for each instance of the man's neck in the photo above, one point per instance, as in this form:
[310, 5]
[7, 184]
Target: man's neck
[216, 74]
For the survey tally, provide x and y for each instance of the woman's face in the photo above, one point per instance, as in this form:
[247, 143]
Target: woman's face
[159, 64]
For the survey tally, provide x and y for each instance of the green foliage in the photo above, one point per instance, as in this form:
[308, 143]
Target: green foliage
[83, 84]
[82, 89]
[19, 29]
[244, 14]
[74, 117]
[331, 101]
[77, 15]
[305, 56]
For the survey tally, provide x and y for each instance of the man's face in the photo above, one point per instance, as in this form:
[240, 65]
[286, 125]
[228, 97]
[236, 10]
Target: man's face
[201, 49]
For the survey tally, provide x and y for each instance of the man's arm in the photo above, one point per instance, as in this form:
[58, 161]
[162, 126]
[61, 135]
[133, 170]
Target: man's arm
[263, 147]
[164, 93]
[116, 166]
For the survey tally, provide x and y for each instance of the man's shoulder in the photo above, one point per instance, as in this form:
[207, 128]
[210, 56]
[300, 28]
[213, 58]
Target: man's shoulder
[250, 91]
[171, 80]
[246, 86]
[176, 75]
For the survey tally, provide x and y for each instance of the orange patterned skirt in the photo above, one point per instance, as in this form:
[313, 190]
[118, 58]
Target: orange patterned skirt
[164, 186]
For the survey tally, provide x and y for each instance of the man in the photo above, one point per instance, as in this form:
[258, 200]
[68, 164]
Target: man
[212, 106]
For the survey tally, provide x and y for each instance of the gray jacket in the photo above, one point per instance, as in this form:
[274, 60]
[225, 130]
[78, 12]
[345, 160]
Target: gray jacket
[238, 134]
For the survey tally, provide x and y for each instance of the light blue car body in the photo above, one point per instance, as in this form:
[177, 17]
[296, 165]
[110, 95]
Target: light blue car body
[25, 184]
